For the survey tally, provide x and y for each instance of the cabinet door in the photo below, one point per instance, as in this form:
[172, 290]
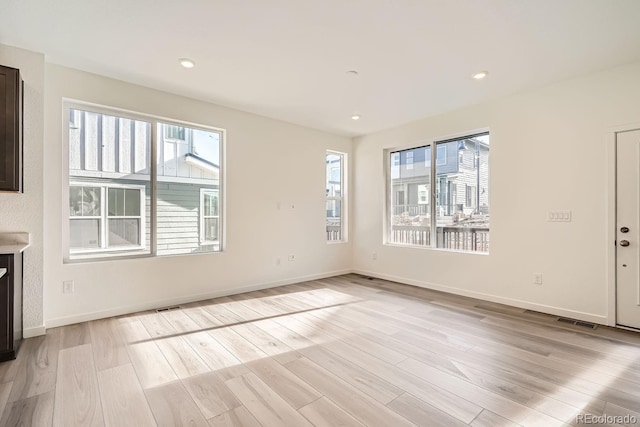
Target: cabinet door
[10, 130]
[6, 303]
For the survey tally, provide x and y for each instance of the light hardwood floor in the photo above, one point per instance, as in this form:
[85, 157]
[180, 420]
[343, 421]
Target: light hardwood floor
[345, 351]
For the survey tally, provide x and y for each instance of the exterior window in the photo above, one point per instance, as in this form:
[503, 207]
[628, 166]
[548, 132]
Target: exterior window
[470, 196]
[209, 216]
[335, 196]
[116, 209]
[174, 132]
[410, 160]
[441, 156]
[105, 218]
[413, 218]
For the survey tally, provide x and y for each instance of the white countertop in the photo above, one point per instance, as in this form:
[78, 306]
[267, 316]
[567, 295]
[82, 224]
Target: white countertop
[13, 243]
[2, 272]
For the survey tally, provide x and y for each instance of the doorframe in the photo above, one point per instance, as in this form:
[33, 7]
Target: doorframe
[611, 137]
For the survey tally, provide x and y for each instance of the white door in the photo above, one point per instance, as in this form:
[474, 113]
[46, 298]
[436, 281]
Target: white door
[628, 228]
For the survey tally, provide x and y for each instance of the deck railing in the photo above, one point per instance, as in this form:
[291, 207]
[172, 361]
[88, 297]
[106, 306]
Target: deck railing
[334, 233]
[474, 239]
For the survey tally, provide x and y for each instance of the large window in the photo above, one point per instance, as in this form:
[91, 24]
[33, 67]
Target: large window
[335, 196]
[121, 203]
[443, 202]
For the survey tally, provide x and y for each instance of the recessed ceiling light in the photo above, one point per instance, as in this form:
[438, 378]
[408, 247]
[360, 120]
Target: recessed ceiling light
[481, 75]
[355, 117]
[187, 63]
[352, 73]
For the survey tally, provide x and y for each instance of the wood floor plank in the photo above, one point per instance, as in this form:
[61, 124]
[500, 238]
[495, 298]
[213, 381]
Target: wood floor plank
[419, 412]
[266, 342]
[211, 395]
[447, 402]
[8, 370]
[264, 403]
[38, 366]
[74, 335]
[31, 411]
[5, 390]
[77, 401]
[294, 391]
[202, 317]
[149, 362]
[489, 419]
[224, 315]
[502, 406]
[237, 417]
[287, 336]
[215, 355]
[109, 349]
[173, 407]
[368, 383]
[123, 401]
[324, 413]
[182, 357]
[365, 409]
[157, 325]
[180, 321]
[237, 345]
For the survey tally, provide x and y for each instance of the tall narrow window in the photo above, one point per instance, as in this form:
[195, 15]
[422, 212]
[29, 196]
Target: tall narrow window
[425, 208]
[209, 216]
[335, 196]
[116, 208]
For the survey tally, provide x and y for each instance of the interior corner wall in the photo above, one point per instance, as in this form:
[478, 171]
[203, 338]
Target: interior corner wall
[268, 164]
[548, 152]
[24, 211]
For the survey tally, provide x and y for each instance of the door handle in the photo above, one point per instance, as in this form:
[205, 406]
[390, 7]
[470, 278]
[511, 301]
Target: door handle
[624, 243]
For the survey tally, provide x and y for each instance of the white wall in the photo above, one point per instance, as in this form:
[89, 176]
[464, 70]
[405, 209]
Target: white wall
[267, 162]
[548, 152]
[23, 212]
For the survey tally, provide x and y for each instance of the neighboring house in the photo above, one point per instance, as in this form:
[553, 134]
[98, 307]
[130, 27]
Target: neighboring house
[462, 189]
[110, 186]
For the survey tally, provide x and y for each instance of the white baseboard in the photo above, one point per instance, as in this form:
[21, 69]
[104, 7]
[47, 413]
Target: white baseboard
[85, 317]
[556, 311]
[34, 332]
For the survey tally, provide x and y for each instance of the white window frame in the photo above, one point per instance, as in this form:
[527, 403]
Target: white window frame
[391, 157]
[72, 256]
[409, 157]
[203, 192]
[341, 198]
[104, 217]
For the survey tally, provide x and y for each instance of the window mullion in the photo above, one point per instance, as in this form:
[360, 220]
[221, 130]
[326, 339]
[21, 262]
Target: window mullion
[153, 162]
[104, 223]
[432, 185]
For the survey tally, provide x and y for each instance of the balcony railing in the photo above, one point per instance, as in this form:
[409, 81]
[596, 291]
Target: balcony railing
[334, 233]
[474, 239]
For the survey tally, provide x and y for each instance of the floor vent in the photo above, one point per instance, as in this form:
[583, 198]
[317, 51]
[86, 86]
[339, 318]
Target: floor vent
[577, 323]
[585, 324]
[160, 310]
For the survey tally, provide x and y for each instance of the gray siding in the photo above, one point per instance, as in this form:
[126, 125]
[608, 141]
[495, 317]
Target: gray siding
[179, 219]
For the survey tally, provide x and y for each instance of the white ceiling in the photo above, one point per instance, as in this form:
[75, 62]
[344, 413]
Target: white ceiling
[287, 59]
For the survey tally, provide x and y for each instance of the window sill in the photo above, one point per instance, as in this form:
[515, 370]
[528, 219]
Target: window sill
[429, 248]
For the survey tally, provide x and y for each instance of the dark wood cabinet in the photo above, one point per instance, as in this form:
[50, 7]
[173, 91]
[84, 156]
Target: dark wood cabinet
[10, 305]
[11, 96]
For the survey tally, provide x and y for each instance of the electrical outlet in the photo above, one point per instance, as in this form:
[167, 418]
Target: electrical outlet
[68, 287]
[537, 279]
[278, 261]
[291, 257]
[374, 256]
